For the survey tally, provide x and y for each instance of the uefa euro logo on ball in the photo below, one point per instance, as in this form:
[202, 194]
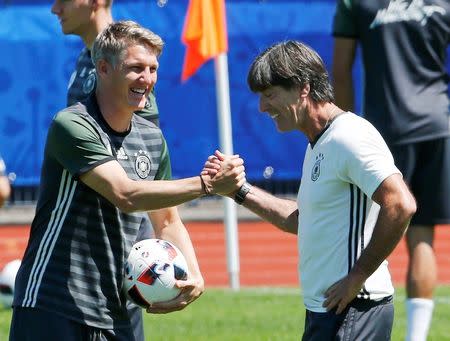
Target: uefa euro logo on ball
[151, 270]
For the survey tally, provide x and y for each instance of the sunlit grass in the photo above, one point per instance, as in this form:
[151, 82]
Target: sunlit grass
[261, 314]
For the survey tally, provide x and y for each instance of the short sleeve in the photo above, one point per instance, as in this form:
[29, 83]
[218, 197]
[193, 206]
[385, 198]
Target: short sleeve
[75, 144]
[366, 160]
[344, 22]
[165, 168]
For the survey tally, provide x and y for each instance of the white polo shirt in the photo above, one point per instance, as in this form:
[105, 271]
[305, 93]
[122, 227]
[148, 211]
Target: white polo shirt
[337, 216]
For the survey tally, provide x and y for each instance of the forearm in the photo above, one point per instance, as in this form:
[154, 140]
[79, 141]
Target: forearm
[111, 181]
[343, 92]
[175, 232]
[153, 195]
[343, 59]
[282, 213]
[389, 229]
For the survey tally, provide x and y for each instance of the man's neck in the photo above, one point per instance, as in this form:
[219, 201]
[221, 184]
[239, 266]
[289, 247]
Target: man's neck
[321, 115]
[100, 20]
[118, 119]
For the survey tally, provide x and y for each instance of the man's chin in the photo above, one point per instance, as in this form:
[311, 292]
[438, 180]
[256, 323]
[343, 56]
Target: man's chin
[138, 106]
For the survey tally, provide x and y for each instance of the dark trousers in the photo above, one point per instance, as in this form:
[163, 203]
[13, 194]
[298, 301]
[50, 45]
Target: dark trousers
[362, 320]
[30, 324]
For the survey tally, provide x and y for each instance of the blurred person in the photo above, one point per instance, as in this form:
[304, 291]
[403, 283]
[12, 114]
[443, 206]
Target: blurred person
[102, 163]
[403, 46]
[352, 206]
[86, 19]
[5, 188]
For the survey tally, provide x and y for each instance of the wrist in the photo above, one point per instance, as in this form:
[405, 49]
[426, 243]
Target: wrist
[241, 194]
[206, 190]
[358, 273]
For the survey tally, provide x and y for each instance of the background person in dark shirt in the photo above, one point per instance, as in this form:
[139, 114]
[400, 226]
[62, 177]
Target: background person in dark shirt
[403, 46]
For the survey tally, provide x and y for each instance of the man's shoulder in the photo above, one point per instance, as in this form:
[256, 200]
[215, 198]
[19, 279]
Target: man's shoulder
[75, 118]
[351, 130]
[85, 55]
[143, 123]
[75, 112]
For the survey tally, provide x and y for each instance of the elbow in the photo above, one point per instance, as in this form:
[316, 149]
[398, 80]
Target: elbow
[407, 209]
[123, 200]
[411, 209]
[125, 206]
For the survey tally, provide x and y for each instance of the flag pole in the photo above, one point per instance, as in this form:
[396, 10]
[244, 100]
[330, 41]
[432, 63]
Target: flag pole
[226, 145]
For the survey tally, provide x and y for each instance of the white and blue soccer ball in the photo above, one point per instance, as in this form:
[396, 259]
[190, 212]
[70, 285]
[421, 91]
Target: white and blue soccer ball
[151, 270]
[7, 279]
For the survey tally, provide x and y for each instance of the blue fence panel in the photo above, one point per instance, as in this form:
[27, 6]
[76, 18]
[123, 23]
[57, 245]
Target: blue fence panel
[37, 60]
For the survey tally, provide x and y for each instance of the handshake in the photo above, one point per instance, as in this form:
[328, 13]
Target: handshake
[225, 175]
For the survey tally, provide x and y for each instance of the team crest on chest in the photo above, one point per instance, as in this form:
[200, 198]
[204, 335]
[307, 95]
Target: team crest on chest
[315, 173]
[142, 164]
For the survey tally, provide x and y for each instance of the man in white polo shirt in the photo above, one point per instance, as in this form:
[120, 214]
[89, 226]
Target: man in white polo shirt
[353, 206]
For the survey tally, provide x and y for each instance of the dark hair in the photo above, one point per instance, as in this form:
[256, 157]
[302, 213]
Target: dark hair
[291, 64]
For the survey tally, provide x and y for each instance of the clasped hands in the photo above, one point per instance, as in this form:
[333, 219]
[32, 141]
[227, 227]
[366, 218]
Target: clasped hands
[223, 174]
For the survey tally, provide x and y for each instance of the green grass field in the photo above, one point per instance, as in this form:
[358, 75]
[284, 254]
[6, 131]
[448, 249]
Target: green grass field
[261, 314]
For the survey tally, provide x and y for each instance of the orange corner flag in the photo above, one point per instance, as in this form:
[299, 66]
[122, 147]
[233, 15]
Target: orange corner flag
[204, 34]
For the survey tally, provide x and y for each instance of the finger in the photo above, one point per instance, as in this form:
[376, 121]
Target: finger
[212, 164]
[331, 303]
[186, 283]
[331, 291]
[165, 310]
[241, 176]
[241, 182]
[234, 162]
[341, 307]
[239, 170]
[219, 155]
[326, 303]
[207, 170]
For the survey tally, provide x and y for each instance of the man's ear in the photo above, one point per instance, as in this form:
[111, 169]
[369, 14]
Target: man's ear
[103, 68]
[93, 4]
[304, 92]
[96, 4]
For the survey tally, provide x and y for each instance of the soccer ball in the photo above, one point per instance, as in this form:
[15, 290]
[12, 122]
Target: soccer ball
[7, 279]
[151, 270]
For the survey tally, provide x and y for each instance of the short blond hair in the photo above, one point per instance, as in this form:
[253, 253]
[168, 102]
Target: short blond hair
[113, 41]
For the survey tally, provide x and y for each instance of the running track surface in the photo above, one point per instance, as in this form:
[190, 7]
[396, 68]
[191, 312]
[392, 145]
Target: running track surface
[268, 257]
